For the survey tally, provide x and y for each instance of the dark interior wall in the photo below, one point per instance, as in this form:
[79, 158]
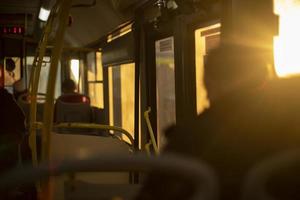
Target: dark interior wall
[11, 47]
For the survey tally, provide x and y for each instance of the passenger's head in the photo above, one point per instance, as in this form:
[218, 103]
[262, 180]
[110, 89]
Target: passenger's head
[68, 86]
[234, 67]
[19, 89]
[10, 65]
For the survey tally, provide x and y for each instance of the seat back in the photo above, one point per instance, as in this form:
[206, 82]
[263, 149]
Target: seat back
[275, 178]
[72, 112]
[66, 147]
[196, 174]
[25, 106]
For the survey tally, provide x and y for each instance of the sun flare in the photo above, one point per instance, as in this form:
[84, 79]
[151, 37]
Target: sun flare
[287, 44]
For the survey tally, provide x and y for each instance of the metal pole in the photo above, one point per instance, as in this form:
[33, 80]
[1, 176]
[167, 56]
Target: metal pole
[49, 105]
[63, 15]
[33, 87]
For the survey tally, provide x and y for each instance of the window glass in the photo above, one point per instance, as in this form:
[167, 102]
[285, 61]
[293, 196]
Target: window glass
[91, 66]
[43, 81]
[127, 96]
[74, 69]
[96, 94]
[287, 44]
[121, 96]
[206, 39]
[165, 86]
[95, 79]
[99, 67]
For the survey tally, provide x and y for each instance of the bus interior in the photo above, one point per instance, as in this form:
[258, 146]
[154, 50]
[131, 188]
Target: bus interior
[138, 68]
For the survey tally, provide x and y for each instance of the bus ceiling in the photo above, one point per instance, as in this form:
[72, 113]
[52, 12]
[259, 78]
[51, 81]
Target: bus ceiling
[30, 16]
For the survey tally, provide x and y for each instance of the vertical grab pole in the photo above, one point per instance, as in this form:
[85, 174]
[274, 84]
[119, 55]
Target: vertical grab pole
[33, 87]
[56, 53]
[63, 15]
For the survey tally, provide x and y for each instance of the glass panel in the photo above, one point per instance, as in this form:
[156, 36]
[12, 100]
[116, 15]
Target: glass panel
[287, 44]
[99, 67]
[165, 86]
[96, 94]
[91, 66]
[44, 76]
[121, 96]
[29, 62]
[127, 97]
[81, 78]
[206, 39]
[74, 69]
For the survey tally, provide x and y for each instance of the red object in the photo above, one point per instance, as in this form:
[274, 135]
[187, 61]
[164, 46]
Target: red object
[74, 98]
[1, 76]
[12, 30]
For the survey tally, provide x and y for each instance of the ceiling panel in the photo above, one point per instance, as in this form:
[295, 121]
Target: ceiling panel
[90, 24]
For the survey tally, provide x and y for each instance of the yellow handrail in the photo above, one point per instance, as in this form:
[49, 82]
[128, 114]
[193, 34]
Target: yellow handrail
[33, 86]
[91, 126]
[151, 133]
[63, 15]
[147, 148]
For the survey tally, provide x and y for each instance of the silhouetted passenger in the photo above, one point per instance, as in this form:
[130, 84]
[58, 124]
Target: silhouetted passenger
[250, 119]
[12, 130]
[70, 95]
[72, 106]
[13, 148]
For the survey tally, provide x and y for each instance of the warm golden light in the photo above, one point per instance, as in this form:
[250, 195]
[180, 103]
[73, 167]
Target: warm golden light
[287, 44]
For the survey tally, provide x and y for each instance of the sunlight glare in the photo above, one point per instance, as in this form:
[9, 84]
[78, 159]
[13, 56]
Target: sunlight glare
[75, 70]
[287, 44]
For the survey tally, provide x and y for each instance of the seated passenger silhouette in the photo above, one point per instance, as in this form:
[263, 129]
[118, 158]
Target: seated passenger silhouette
[250, 119]
[72, 106]
[70, 95]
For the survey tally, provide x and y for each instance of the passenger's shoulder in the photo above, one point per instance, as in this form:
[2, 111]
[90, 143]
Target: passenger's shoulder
[5, 95]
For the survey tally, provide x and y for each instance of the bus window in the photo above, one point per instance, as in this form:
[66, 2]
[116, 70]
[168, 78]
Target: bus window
[165, 86]
[206, 39]
[121, 96]
[287, 44]
[77, 73]
[74, 69]
[43, 81]
[95, 79]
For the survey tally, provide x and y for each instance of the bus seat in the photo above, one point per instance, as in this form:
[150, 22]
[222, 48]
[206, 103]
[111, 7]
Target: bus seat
[276, 178]
[25, 106]
[93, 191]
[72, 112]
[74, 98]
[76, 146]
[195, 173]
[99, 116]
